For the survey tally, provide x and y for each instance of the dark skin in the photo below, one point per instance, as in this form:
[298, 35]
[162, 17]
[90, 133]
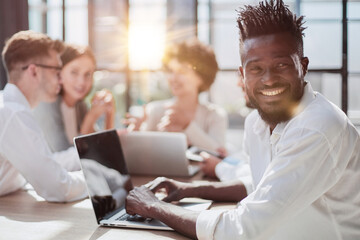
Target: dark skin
[273, 69]
[142, 201]
[273, 72]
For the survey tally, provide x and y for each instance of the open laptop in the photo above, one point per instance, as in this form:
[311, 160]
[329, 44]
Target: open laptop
[157, 153]
[108, 182]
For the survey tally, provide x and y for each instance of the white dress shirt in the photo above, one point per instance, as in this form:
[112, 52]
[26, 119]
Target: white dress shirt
[305, 179]
[207, 130]
[26, 157]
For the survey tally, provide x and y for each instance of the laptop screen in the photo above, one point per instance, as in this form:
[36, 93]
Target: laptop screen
[105, 171]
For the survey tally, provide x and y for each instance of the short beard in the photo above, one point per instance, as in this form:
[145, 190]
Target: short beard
[275, 117]
[279, 115]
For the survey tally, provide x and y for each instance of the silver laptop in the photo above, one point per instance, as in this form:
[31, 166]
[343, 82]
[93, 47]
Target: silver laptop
[157, 153]
[109, 182]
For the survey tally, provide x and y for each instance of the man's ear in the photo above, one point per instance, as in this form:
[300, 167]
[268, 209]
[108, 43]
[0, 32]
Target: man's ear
[241, 72]
[241, 81]
[304, 64]
[32, 70]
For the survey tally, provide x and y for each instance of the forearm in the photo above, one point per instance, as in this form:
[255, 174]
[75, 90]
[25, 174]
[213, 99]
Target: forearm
[87, 126]
[178, 218]
[231, 191]
[110, 117]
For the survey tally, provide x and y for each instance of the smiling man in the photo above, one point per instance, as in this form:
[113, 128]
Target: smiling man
[32, 61]
[274, 70]
[304, 153]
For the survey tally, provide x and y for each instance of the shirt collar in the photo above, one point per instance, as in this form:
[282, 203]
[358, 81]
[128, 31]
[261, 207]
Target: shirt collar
[261, 126]
[13, 94]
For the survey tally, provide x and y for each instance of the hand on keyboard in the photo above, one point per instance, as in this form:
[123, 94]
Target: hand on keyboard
[136, 218]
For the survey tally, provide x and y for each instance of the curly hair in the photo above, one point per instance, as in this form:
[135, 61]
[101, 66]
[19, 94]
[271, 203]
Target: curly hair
[200, 57]
[270, 17]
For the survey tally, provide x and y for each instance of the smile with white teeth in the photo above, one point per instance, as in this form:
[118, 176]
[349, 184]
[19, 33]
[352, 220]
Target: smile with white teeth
[272, 92]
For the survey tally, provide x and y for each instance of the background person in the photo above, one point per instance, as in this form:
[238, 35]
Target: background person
[192, 68]
[33, 65]
[69, 116]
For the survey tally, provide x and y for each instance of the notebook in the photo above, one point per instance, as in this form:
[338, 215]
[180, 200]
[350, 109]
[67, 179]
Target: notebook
[157, 153]
[108, 182]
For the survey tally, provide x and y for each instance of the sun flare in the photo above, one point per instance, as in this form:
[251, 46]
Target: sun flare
[146, 47]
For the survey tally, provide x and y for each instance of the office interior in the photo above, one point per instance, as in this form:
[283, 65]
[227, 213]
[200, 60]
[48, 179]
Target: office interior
[128, 38]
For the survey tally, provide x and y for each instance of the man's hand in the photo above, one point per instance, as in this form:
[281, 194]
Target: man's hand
[222, 152]
[209, 164]
[175, 190]
[143, 202]
[140, 201]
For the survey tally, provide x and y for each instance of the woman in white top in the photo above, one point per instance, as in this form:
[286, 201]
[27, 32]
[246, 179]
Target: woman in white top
[192, 68]
[69, 116]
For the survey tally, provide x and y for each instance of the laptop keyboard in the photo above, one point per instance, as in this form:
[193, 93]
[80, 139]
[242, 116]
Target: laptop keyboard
[127, 217]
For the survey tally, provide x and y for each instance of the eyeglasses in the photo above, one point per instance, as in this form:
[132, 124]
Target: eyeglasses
[43, 66]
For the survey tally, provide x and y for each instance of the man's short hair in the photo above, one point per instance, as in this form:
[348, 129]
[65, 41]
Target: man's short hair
[73, 51]
[26, 46]
[270, 17]
[200, 57]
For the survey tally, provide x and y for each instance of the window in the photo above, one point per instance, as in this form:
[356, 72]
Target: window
[128, 38]
[322, 44]
[47, 16]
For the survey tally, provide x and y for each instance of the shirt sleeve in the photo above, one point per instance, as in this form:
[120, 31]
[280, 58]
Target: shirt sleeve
[26, 149]
[227, 172]
[214, 136]
[305, 159]
[206, 222]
[68, 159]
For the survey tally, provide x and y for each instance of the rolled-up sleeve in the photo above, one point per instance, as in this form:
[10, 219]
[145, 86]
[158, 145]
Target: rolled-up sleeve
[283, 192]
[228, 172]
[206, 223]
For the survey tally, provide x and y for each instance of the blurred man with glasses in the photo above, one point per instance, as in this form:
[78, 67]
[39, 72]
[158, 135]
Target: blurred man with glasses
[33, 65]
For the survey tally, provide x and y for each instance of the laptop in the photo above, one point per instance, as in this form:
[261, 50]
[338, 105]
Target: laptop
[108, 182]
[157, 153]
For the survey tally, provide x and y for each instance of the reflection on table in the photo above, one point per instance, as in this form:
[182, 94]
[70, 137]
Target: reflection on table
[25, 215]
